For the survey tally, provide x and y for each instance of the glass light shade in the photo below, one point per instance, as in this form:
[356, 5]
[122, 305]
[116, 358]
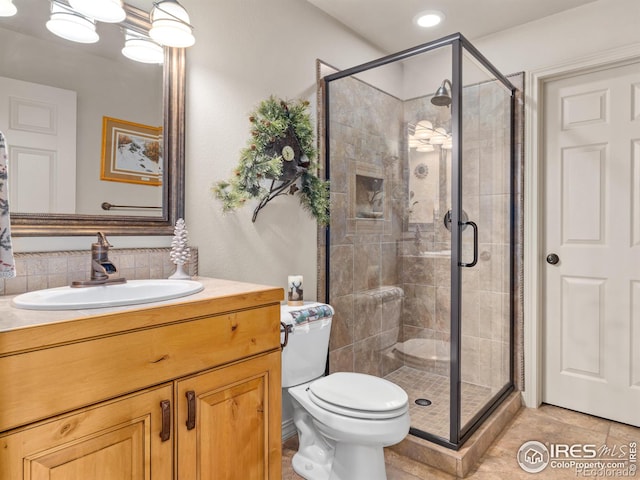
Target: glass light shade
[7, 8]
[142, 50]
[425, 148]
[413, 142]
[424, 129]
[71, 26]
[448, 145]
[440, 136]
[170, 25]
[109, 11]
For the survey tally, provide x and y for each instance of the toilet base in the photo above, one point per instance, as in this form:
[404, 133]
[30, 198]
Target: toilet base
[309, 469]
[350, 462]
[358, 462]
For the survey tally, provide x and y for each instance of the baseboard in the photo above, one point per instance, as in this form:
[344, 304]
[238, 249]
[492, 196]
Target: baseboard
[288, 429]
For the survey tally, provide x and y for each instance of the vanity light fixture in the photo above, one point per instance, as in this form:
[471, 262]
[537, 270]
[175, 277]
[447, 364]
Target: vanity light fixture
[108, 11]
[429, 18]
[7, 8]
[142, 49]
[425, 148]
[424, 130]
[170, 24]
[71, 25]
[439, 136]
[423, 136]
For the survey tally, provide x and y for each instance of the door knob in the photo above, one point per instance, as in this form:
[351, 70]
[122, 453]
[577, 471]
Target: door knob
[552, 259]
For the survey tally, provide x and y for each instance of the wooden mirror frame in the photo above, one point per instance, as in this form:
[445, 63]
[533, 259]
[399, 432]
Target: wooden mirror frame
[57, 224]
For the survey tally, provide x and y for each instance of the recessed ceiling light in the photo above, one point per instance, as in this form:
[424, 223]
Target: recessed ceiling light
[430, 18]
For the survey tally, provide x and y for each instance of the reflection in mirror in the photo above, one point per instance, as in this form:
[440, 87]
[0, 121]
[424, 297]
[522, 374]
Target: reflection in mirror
[428, 162]
[429, 168]
[87, 126]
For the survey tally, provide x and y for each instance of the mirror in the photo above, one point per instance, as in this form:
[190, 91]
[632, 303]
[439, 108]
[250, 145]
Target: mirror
[429, 186]
[168, 198]
[429, 142]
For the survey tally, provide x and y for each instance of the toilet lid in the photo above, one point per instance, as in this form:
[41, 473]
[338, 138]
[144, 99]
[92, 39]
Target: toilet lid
[359, 395]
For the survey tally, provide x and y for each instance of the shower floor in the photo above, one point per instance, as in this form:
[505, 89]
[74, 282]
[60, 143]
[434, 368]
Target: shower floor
[434, 418]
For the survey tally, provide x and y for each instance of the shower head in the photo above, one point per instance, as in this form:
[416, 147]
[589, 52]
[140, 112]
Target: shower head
[442, 97]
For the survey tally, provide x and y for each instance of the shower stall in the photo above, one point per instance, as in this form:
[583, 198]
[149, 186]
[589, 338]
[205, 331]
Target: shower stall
[418, 257]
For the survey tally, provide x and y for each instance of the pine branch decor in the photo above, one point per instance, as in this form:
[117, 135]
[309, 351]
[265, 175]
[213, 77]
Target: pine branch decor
[279, 159]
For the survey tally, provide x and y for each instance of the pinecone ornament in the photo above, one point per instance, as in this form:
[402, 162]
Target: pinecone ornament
[180, 252]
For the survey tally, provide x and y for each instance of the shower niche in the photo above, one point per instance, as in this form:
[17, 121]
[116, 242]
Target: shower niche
[369, 197]
[410, 138]
[369, 206]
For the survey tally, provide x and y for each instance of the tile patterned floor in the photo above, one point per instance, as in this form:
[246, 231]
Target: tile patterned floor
[547, 424]
[434, 418]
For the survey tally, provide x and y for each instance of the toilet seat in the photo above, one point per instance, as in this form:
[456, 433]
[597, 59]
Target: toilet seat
[359, 395]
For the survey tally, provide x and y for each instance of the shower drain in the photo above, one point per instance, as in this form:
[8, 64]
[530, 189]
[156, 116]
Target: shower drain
[423, 402]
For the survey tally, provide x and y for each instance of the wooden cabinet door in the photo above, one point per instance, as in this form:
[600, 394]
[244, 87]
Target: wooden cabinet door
[229, 422]
[117, 440]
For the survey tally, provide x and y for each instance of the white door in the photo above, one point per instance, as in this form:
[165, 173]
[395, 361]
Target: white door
[592, 222]
[39, 123]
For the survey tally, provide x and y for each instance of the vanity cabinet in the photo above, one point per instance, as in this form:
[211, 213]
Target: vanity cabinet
[225, 420]
[182, 391]
[114, 440]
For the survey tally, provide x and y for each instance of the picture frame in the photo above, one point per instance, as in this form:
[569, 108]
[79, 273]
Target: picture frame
[131, 152]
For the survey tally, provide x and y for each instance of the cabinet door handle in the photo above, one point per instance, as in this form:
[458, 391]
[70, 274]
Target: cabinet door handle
[191, 409]
[165, 407]
[287, 329]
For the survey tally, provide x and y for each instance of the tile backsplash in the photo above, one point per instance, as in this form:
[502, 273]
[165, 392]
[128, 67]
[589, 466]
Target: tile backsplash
[36, 271]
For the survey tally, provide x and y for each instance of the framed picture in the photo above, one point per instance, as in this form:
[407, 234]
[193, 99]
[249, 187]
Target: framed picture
[131, 152]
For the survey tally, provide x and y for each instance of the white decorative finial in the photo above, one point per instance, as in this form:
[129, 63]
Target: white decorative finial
[180, 252]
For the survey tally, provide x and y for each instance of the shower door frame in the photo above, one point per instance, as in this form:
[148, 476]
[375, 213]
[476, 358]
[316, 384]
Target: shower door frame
[458, 433]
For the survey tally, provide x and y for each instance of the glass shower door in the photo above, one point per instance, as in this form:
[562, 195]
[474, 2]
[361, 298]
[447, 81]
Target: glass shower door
[485, 236]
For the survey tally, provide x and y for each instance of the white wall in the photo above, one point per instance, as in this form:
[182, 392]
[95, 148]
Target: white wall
[580, 32]
[247, 50]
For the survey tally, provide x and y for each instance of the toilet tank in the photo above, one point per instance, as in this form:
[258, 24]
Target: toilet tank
[305, 356]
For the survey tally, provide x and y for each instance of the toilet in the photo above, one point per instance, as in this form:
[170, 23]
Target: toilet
[343, 420]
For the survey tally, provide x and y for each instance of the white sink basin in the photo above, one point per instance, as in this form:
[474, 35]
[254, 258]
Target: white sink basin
[131, 293]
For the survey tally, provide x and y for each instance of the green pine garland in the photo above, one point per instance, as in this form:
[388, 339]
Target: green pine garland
[260, 170]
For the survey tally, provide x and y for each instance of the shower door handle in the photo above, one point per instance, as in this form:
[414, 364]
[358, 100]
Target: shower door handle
[475, 244]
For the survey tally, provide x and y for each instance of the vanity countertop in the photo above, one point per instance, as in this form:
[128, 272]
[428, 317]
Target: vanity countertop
[22, 330]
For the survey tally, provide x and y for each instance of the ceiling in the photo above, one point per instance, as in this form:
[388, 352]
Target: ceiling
[388, 24]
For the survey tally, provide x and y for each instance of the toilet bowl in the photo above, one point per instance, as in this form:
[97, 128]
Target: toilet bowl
[343, 420]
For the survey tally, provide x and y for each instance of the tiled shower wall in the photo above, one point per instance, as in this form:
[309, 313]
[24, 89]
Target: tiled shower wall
[366, 128]
[367, 254]
[36, 271]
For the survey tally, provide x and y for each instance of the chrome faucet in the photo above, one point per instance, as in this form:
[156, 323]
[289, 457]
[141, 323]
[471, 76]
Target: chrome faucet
[102, 269]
